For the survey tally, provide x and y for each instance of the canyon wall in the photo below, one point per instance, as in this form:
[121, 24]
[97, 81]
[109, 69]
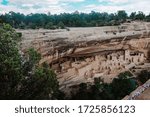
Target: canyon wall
[81, 55]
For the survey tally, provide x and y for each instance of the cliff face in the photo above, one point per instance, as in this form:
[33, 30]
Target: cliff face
[83, 54]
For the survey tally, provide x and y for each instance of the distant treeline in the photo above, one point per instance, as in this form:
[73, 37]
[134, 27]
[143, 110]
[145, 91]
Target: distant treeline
[76, 19]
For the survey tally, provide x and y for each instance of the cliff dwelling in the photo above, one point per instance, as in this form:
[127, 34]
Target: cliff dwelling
[80, 55]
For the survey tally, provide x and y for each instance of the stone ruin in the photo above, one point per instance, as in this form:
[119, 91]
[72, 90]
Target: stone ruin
[77, 62]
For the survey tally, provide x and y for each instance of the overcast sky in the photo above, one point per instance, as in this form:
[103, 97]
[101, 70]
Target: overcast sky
[61, 6]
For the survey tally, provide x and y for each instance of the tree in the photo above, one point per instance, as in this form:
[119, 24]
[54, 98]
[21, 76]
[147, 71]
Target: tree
[21, 77]
[10, 62]
[22, 25]
[30, 61]
[82, 93]
[122, 86]
[144, 76]
[42, 84]
[133, 15]
[1, 21]
[118, 89]
[61, 25]
[49, 25]
[148, 18]
[122, 15]
[125, 75]
[48, 21]
[140, 16]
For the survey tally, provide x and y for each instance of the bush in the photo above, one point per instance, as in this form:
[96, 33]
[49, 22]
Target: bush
[144, 76]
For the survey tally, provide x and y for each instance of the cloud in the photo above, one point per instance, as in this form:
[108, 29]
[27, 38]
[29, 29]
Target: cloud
[32, 6]
[101, 8]
[115, 5]
[119, 1]
[37, 6]
[72, 0]
[138, 5]
[115, 1]
[60, 6]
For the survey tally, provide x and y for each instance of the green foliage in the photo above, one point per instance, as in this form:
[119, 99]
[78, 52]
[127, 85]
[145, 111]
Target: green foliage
[144, 76]
[41, 85]
[122, 15]
[118, 89]
[49, 26]
[140, 16]
[125, 75]
[148, 18]
[31, 61]
[82, 93]
[48, 21]
[61, 25]
[22, 26]
[122, 87]
[33, 56]
[1, 21]
[10, 62]
[21, 77]
[133, 15]
[20, 35]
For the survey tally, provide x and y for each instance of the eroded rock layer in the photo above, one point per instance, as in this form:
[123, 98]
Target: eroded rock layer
[101, 52]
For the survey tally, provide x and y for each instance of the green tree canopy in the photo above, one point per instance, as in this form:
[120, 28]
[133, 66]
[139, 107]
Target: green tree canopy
[49, 21]
[144, 76]
[21, 77]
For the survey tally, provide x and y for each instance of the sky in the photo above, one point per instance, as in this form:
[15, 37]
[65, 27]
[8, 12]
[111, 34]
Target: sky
[69, 6]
